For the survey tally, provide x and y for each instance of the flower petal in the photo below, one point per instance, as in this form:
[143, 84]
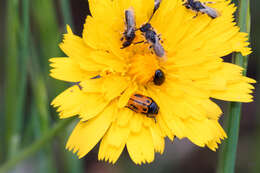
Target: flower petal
[158, 138]
[76, 49]
[109, 153]
[122, 102]
[113, 143]
[87, 134]
[86, 105]
[125, 116]
[140, 146]
[68, 70]
[67, 108]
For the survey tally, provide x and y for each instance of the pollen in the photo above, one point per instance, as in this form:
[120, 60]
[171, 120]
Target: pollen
[142, 68]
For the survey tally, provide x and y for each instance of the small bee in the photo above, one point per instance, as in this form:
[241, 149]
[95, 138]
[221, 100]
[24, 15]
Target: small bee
[129, 33]
[198, 6]
[158, 77]
[153, 39]
[143, 104]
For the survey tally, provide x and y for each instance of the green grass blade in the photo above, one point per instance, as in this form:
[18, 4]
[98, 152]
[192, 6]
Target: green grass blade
[45, 157]
[41, 114]
[23, 62]
[48, 37]
[30, 150]
[227, 157]
[40, 93]
[71, 162]
[11, 72]
[66, 12]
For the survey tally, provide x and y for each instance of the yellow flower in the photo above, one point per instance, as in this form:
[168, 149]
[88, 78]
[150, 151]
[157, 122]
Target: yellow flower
[194, 73]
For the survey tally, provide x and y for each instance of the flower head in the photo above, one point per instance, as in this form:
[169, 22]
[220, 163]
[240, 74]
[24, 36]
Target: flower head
[193, 68]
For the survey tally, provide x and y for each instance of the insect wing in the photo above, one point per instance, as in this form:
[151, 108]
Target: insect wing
[210, 11]
[156, 5]
[158, 49]
[129, 17]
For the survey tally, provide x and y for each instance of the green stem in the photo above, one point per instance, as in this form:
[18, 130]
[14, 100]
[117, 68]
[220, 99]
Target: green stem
[11, 71]
[227, 157]
[23, 62]
[35, 146]
[71, 163]
[66, 12]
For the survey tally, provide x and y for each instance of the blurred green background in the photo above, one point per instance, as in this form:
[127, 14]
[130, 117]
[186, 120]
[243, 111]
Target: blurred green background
[30, 33]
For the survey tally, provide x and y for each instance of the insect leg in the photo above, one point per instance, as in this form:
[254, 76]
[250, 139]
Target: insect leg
[209, 2]
[197, 13]
[139, 42]
[77, 83]
[151, 116]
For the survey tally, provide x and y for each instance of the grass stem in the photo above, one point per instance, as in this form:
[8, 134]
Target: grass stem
[227, 157]
[30, 150]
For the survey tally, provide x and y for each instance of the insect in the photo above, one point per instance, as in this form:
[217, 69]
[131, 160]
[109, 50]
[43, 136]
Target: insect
[143, 104]
[157, 4]
[152, 38]
[198, 6]
[129, 33]
[96, 77]
[158, 77]
[78, 83]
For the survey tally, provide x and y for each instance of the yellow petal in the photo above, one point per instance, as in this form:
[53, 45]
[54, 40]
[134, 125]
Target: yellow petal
[86, 105]
[67, 108]
[203, 132]
[87, 134]
[117, 135]
[158, 138]
[125, 117]
[140, 146]
[68, 69]
[122, 102]
[76, 49]
[109, 153]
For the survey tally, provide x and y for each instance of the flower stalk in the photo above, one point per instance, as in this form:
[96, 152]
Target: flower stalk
[11, 72]
[227, 157]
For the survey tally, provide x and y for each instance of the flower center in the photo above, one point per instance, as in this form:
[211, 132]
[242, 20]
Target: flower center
[142, 66]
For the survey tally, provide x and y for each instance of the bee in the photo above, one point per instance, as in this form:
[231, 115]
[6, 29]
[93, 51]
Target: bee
[150, 34]
[152, 38]
[158, 77]
[198, 6]
[129, 33]
[143, 104]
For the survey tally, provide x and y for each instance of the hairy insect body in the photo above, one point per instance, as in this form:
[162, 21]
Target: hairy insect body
[198, 6]
[129, 33]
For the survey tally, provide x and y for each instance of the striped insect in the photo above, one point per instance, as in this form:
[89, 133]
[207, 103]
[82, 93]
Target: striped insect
[143, 104]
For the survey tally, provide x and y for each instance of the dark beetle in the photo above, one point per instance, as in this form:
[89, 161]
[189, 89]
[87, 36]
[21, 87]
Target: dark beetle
[158, 77]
